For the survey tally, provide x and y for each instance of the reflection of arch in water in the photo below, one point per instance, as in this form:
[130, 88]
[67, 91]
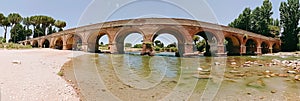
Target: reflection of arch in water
[232, 45]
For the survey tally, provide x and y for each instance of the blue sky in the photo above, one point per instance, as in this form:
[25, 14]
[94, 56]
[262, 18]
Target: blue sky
[82, 12]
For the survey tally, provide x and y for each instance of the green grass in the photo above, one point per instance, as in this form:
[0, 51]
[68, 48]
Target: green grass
[14, 46]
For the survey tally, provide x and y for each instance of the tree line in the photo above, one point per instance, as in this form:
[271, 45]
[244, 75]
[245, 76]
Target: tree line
[259, 21]
[25, 27]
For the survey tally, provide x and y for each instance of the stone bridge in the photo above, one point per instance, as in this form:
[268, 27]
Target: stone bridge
[86, 38]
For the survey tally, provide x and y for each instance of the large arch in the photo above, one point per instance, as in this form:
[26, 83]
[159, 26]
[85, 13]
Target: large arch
[232, 45]
[211, 41]
[74, 42]
[35, 44]
[251, 47]
[45, 43]
[120, 37]
[177, 34]
[58, 43]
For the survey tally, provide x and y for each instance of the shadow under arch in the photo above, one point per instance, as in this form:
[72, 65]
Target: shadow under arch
[58, 43]
[46, 43]
[35, 44]
[177, 34]
[232, 45]
[120, 38]
[264, 48]
[74, 42]
[251, 45]
[275, 48]
[210, 42]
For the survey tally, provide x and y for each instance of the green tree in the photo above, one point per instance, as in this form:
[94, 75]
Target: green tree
[159, 43]
[5, 24]
[289, 18]
[128, 45]
[196, 38]
[60, 24]
[17, 33]
[243, 21]
[14, 18]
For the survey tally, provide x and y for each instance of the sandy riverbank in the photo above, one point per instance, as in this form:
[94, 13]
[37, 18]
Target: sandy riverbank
[35, 77]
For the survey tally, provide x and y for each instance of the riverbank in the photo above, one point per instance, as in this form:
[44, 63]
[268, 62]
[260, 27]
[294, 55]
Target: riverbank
[31, 75]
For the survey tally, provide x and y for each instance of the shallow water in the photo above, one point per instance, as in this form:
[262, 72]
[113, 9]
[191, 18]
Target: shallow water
[132, 77]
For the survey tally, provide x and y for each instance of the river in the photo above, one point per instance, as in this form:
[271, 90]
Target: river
[143, 78]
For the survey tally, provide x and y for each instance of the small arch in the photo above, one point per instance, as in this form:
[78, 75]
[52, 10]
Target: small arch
[275, 48]
[58, 44]
[46, 43]
[27, 42]
[35, 44]
[232, 45]
[264, 48]
[251, 47]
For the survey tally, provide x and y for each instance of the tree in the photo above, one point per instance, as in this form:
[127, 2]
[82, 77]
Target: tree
[60, 24]
[4, 23]
[17, 33]
[243, 21]
[138, 46]
[256, 21]
[196, 38]
[14, 18]
[159, 43]
[128, 45]
[289, 18]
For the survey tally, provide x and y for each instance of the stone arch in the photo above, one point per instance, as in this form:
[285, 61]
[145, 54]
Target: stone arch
[211, 42]
[27, 43]
[264, 47]
[45, 43]
[93, 39]
[74, 42]
[58, 43]
[251, 46]
[121, 35]
[35, 44]
[275, 48]
[232, 47]
[177, 33]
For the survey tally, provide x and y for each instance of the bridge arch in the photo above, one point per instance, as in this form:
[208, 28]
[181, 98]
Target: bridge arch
[74, 42]
[93, 38]
[178, 34]
[45, 43]
[275, 48]
[121, 35]
[264, 47]
[211, 41]
[251, 46]
[35, 44]
[58, 43]
[27, 43]
[232, 45]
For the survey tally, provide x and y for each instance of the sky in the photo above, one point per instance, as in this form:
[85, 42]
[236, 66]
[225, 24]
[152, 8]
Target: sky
[83, 12]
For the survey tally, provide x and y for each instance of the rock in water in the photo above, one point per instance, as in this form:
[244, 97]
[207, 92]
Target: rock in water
[16, 62]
